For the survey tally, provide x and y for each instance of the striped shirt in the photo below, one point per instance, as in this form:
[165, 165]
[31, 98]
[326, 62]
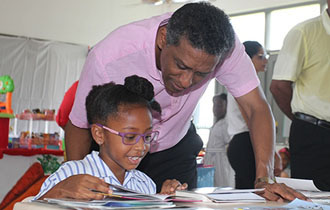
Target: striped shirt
[93, 165]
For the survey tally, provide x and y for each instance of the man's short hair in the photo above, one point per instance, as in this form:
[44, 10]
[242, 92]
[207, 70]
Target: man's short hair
[205, 26]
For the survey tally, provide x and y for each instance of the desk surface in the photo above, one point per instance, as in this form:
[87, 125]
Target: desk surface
[26, 205]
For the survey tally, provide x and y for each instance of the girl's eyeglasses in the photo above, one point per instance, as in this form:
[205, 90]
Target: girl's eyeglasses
[131, 138]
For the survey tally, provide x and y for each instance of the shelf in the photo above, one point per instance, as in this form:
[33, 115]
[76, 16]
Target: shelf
[46, 117]
[6, 115]
[30, 152]
[35, 117]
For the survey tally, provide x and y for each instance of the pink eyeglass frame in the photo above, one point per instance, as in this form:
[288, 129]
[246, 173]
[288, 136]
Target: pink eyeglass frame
[122, 134]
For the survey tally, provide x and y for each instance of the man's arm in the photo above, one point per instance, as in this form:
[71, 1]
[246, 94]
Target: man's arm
[282, 93]
[262, 131]
[77, 142]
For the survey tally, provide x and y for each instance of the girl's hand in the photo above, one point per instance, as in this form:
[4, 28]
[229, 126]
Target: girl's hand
[171, 185]
[81, 186]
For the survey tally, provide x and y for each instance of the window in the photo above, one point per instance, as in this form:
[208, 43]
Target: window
[250, 27]
[281, 21]
[203, 115]
[253, 26]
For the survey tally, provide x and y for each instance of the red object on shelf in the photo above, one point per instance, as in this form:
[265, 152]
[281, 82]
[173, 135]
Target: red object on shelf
[48, 115]
[4, 131]
[30, 152]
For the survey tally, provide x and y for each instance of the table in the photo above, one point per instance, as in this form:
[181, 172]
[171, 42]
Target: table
[26, 205]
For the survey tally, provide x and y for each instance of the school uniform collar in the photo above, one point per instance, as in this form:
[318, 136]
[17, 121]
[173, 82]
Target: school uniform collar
[106, 172]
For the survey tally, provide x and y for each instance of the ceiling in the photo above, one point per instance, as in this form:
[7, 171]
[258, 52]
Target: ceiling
[229, 6]
[87, 22]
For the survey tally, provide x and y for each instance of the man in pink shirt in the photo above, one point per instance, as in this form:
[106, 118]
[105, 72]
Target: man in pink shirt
[179, 54]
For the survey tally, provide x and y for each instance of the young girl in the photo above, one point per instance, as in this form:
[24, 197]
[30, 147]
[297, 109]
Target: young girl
[121, 124]
[285, 157]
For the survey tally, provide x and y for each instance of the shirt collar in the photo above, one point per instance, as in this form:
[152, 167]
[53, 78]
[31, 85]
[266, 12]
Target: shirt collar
[326, 21]
[134, 174]
[106, 172]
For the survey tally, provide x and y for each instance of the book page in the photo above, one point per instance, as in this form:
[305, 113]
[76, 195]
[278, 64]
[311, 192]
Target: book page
[236, 197]
[192, 195]
[231, 196]
[298, 184]
[209, 190]
[107, 204]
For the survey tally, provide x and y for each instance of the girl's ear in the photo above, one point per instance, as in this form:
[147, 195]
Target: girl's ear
[98, 134]
[161, 37]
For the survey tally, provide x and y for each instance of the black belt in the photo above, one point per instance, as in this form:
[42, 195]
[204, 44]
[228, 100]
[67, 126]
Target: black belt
[313, 120]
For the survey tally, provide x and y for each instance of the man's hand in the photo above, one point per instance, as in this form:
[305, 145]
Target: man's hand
[171, 185]
[81, 186]
[279, 192]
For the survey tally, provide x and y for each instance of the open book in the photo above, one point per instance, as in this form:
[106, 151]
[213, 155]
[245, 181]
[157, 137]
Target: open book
[306, 187]
[206, 194]
[122, 193]
[298, 184]
[221, 195]
[123, 198]
[106, 204]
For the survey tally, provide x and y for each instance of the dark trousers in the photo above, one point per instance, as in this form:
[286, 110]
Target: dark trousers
[177, 162]
[241, 158]
[310, 153]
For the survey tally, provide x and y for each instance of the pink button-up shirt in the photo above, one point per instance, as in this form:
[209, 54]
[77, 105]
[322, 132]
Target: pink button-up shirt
[130, 50]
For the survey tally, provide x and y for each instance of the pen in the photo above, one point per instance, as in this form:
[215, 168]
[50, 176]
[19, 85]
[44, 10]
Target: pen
[110, 195]
[106, 194]
[117, 196]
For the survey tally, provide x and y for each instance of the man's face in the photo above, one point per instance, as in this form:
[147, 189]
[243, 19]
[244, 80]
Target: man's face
[183, 66]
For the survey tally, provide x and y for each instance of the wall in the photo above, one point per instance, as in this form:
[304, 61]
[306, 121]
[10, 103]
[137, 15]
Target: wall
[88, 21]
[42, 71]
[12, 169]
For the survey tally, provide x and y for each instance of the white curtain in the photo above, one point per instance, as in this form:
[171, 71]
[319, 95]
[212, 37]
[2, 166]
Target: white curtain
[42, 71]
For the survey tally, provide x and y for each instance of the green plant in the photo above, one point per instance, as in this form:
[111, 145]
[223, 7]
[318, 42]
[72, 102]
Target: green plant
[49, 163]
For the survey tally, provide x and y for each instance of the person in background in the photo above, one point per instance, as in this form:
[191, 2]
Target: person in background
[277, 165]
[300, 87]
[240, 151]
[64, 110]
[62, 116]
[285, 161]
[179, 54]
[216, 149]
[121, 123]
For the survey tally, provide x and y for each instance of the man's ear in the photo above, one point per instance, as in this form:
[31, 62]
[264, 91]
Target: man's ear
[98, 134]
[161, 37]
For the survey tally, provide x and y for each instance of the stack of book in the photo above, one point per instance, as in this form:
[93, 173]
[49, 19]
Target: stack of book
[123, 198]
